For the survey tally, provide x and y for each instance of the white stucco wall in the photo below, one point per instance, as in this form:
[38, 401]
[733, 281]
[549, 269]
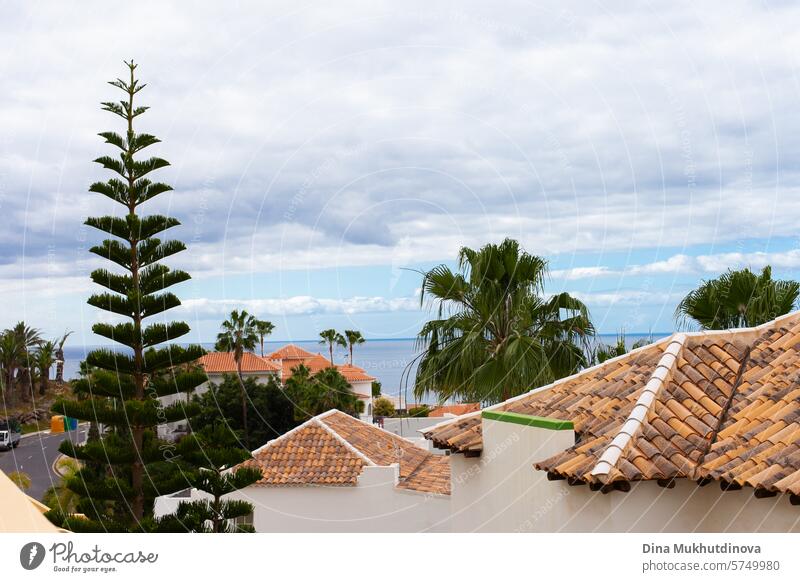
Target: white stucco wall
[488, 492]
[501, 491]
[409, 427]
[373, 505]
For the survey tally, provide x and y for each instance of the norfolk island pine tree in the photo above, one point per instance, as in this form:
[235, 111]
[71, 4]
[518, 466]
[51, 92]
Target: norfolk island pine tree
[136, 466]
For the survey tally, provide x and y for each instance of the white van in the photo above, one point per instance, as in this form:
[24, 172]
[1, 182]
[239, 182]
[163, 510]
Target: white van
[9, 436]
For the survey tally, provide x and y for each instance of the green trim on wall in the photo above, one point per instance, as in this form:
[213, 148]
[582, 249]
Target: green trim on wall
[528, 420]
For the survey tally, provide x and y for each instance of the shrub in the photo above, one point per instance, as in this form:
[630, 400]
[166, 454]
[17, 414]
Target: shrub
[383, 407]
[419, 411]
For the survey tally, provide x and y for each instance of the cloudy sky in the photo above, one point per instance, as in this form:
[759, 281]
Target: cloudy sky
[323, 153]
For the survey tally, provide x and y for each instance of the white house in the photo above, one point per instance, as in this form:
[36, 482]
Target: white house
[335, 473]
[291, 356]
[216, 365]
[697, 432]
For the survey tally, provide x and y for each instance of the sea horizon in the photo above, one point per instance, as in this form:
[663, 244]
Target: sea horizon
[385, 358]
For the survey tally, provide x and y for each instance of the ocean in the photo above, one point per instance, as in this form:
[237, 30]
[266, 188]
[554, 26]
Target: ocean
[386, 359]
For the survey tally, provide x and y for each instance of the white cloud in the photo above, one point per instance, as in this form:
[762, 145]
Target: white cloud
[628, 297]
[366, 126]
[315, 136]
[299, 305]
[688, 265]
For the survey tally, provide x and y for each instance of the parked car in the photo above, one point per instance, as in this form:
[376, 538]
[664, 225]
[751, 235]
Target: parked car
[10, 434]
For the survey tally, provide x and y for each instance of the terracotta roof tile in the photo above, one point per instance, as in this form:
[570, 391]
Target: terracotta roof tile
[354, 373]
[289, 352]
[317, 362]
[223, 362]
[455, 409]
[711, 405]
[333, 448]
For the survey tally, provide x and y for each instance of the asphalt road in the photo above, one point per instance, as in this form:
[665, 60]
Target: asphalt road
[35, 456]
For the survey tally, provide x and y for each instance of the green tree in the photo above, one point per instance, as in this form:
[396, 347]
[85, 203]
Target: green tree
[495, 335]
[270, 411]
[353, 338]
[27, 339]
[383, 407]
[737, 299]
[11, 358]
[59, 497]
[603, 352]
[263, 329]
[325, 390]
[332, 338]
[129, 466]
[238, 335]
[215, 451]
[419, 411]
[44, 358]
[376, 388]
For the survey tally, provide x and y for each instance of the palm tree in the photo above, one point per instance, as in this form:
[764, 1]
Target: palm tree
[60, 355]
[496, 336]
[353, 338]
[332, 337]
[263, 329]
[44, 358]
[239, 335]
[325, 390]
[11, 354]
[28, 338]
[604, 352]
[738, 299]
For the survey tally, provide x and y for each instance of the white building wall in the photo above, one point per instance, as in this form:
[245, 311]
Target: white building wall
[409, 427]
[488, 492]
[502, 492]
[373, 505]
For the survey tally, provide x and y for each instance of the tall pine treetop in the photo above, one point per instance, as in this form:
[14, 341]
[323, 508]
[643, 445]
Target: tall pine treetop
[125, 392]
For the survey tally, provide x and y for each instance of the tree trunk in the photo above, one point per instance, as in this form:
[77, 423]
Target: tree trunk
[244, 405]
[351, 354]
[24, 384]
[8, 388]
[330, 347]
[137, 467]
[43, 383]
[59, 365]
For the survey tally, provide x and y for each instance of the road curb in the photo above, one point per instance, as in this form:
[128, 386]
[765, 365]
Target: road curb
[55, 465]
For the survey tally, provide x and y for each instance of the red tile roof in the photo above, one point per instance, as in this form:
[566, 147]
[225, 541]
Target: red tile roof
[223, 362]
[333, 448]
[289, 352]
[719, 406]
[455, 409]
[316, 363]
[354, 373]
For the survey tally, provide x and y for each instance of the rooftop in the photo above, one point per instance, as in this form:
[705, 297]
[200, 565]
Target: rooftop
[317, 362]
[289, 352]
[715, 405]
[222, 362]
[455, 409]
[333, 448]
